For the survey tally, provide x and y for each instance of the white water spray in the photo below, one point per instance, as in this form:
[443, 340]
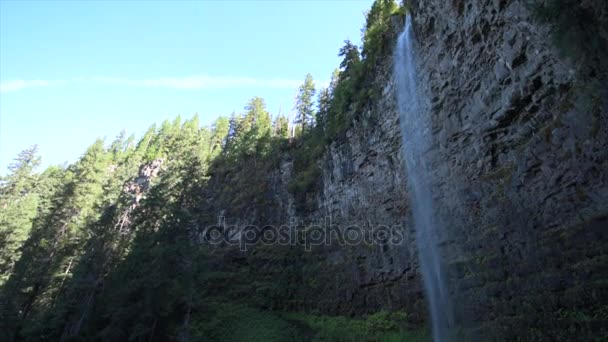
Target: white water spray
[416, 148]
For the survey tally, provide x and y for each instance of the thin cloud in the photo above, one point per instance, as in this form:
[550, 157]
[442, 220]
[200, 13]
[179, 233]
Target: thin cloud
[188, 82]
[202, 82]
[7, 86]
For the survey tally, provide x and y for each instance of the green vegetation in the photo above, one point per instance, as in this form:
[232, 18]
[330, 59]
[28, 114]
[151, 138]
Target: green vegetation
[382, 326]
[80, 236]
[305, 113]
[19, 203]
[569, 325]
[225, 321]
[341, 105]
[237, 322]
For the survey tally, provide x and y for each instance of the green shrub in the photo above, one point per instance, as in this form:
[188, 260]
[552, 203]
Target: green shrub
[381, 326]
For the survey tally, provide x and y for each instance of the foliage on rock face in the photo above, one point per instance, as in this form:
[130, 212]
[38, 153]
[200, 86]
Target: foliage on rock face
[81, 257]
[576, 31]
[377, 42]
[340, 105]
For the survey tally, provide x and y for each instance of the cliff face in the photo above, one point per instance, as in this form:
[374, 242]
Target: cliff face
[362, 185]
[521, 135]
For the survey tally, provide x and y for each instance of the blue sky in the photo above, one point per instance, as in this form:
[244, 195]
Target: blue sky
[72, 71]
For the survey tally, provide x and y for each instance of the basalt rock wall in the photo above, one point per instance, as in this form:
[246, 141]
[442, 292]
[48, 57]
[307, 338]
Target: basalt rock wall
[520, 123]
[520, 135]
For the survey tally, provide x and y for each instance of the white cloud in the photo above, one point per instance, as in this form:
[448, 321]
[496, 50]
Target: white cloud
[202, 82]
[188, 82]
[6, 86]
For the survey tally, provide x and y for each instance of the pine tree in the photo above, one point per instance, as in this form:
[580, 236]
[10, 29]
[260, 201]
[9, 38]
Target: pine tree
[262, 125]
[220, 131]
[142, 147]
[323, 103]
[375, 38]
[333, 83]
[18, 207]
[351, 58]
[247, 132]
[304, 104]
[281, 127]
[55, 243]
[159, 268]
[344, 90]
[118, 146]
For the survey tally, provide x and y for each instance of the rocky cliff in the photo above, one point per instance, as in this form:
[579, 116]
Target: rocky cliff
[362, 184]
[521, 133]
[521, 129]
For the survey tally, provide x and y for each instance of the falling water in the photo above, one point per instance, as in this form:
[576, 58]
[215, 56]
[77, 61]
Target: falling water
[416, 149]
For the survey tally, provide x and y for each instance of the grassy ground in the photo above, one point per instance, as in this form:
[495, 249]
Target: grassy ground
[382, 326]
[226, 321]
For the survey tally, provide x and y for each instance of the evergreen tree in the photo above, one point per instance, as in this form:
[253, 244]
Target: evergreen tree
[323, 103]
[281, 127]
[234, 132]
[344, 91]
[18, 207]
[141, 149]
[55, 244]
[249, 134]
[220, 131]
[119, 146]
[333, 83]
[376, 41]
[304, 104]
[159, 269]
[351, 58]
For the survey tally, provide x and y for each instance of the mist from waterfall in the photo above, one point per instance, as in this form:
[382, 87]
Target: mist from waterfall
[416, 148]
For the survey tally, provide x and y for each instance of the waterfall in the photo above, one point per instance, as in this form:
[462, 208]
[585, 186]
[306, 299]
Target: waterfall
[416, 148]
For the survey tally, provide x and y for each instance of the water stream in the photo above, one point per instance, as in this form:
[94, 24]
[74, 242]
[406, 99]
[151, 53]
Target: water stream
[416, 148]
